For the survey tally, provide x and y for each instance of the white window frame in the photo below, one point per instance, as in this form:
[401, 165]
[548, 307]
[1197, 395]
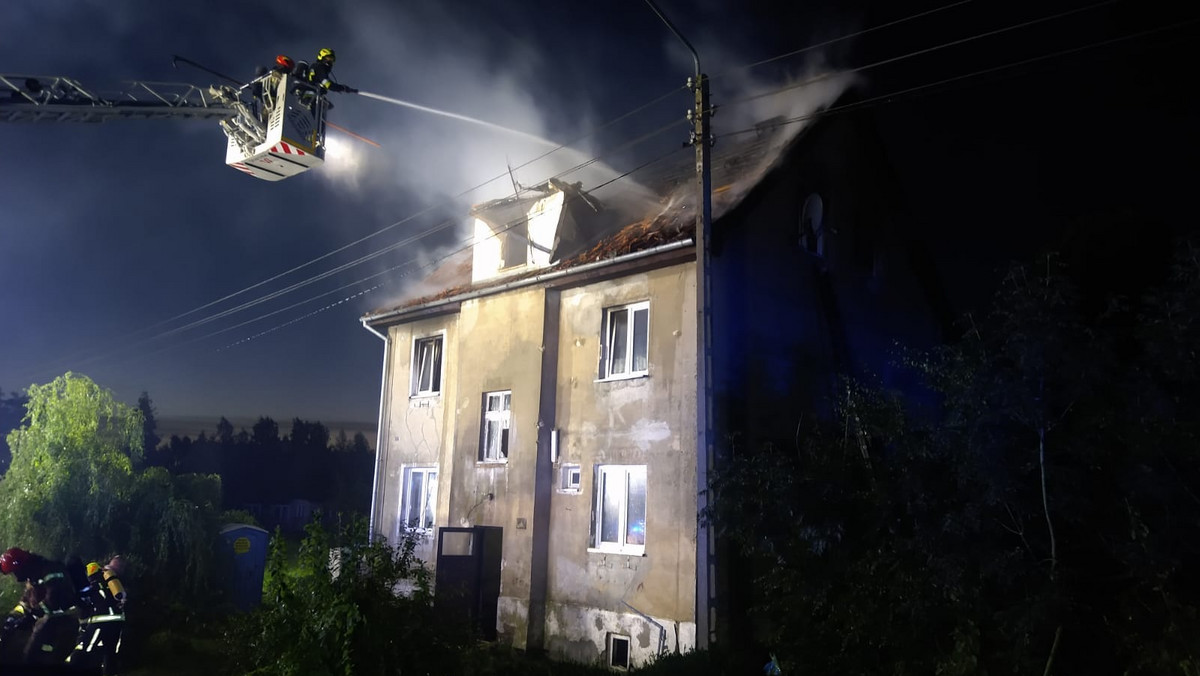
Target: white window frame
[607, 340]
[435, 388]
[621, 473]
[429, 477]
[502, 416]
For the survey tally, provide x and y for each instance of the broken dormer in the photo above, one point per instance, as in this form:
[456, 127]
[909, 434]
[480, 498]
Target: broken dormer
[536, 229]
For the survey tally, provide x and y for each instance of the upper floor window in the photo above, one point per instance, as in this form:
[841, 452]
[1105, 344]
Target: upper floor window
[497, 412]
[626, 341]
[812, 225]
[419, 499]
[427, 366]
[619, 511]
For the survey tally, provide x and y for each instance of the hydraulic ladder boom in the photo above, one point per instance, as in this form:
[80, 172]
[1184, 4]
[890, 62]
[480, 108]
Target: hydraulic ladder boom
[38, 98]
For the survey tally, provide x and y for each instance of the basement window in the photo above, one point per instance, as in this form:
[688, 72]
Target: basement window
[427, 366]
[618, 651]
[619, 510]
[497, 416]
[626, 341]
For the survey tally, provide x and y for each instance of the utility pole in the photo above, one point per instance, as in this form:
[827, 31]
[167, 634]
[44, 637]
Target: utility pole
[701, 140]
[706, 564]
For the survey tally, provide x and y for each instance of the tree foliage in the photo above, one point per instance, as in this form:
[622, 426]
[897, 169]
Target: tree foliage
[74, 488]
[1042, 522]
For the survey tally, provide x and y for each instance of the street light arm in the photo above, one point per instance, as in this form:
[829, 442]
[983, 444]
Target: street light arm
[695, 56]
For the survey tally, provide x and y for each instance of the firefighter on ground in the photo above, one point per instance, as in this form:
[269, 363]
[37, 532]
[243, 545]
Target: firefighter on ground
[319, 72]
[103, 618]
[47, 605]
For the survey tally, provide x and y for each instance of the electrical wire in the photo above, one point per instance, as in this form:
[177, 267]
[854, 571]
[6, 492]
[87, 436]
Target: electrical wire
[587, 135]
[890, 96]
[345, 266]
[97, 355]
[596, 130]
[380, 231]
[463, 245]
[921, 52]
[884, 98]
[466, 244]
[842, 38]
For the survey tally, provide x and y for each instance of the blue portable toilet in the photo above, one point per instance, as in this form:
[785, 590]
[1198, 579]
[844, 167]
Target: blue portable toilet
[245, 547]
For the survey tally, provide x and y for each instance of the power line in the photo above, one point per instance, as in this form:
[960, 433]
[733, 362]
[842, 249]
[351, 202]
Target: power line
[422, 212]
[419, 213]
[386, 228]
[324, 275]
[921, 52]
[589, 134]
[392, 247]
[468, 244]
[884, 98]
[887, 98]
[465, 244]
[843, 38]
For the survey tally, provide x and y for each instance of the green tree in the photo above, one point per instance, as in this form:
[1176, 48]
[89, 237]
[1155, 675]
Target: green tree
[1041, 522]
[72, 468]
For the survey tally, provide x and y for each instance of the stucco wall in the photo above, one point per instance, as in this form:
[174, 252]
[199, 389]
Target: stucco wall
[498, 348]
[643, 421]
[417, 430]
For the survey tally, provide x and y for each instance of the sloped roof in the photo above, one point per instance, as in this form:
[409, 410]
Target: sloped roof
[737, 167]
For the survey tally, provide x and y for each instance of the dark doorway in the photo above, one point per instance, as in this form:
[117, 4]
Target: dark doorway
[468, 576]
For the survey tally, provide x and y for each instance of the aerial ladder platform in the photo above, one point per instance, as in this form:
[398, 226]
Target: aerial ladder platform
[274, 125]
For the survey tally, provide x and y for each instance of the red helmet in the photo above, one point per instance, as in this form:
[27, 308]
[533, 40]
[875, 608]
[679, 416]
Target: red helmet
[13, 560]
[285, 62]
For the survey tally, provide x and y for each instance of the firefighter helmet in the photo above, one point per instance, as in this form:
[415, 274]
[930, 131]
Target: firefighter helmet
[326, 53]
[285, 62]
[93, 568]
[13, 560]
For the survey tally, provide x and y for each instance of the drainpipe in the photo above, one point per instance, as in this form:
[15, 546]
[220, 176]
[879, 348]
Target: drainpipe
[543, 478]
[380, 433]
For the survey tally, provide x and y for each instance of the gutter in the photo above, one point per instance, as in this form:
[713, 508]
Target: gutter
[380, 436]
[528, 281]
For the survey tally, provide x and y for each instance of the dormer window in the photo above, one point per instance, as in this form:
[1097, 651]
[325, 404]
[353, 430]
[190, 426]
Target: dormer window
[514, 246]
[812, 225]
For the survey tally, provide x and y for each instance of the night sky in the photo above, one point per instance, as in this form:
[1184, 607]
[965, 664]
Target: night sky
[110, 232]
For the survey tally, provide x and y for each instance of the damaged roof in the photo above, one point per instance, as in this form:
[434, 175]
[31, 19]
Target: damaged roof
[737, 166]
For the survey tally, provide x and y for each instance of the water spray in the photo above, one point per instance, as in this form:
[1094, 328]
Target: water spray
[456, 116]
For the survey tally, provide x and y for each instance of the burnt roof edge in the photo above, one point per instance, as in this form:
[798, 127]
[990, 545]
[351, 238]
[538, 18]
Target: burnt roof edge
[402, 314]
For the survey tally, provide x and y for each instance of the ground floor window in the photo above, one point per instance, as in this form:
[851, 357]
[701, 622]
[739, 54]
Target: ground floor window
[419, 499]
[619, 511]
